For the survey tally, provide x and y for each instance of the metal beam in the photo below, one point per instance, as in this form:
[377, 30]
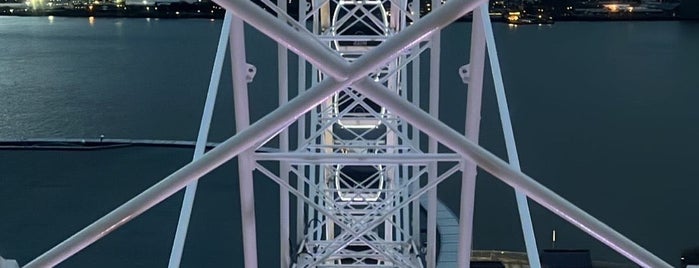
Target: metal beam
[242, 141]
[435, 57]
[509, 175]
[472, 129]
[245, 162]
[272, 123]
[358, 158]
[338, 221]
[326, 59]
[200, 146]
[283, 80]
[284, 115]
[301, 124]
[512, 156]
[376, 222]
[416, 86]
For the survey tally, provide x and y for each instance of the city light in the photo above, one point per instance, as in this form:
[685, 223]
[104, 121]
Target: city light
[513, 16]
[499, 9]
[612, 7]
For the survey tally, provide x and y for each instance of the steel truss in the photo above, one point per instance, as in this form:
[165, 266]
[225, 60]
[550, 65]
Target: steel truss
[345, 197]
[358, 167]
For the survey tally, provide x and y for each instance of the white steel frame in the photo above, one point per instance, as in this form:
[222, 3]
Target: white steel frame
[385, 230]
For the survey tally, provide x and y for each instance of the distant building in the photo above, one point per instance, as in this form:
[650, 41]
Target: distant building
[689, 9]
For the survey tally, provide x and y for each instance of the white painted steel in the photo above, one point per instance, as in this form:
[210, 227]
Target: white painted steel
[301, 44]
[343, 75]
[387, 223]
[242, 141]
[435, 49]
[301, 134]
[284, 220]
[358, 158]
[340, 113]
[339, 220]
[472, 130]
[512, 177]
[333, 65]
[314, 171]
[378, 221]
[415, 221]
[245, 163]
[249, 137]
[404, 214]
[512, 156]
[200, 146]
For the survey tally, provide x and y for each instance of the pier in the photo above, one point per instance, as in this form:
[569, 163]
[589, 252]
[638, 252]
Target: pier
[91, 143]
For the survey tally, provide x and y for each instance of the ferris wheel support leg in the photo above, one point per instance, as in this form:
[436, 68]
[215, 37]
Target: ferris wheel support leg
[284, 220]
[515, 178]
[273, 122]
[300, 207]
[431, 258]
[416, 138]
[200, 146]
[472, 130]
[435, 49]
[242, 121]
[512, 156]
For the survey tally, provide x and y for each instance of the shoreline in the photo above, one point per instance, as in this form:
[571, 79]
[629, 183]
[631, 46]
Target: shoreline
[213, 14]
[219, 14]
[217, 17]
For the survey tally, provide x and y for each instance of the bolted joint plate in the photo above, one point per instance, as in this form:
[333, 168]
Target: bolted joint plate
[250, 72]
[464, 73]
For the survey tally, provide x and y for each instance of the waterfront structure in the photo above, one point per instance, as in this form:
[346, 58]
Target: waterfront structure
[358, 110]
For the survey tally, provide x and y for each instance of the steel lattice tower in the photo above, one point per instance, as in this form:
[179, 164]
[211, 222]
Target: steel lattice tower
[357, 171]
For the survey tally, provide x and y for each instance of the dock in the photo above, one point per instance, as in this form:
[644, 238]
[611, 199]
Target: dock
[91, 143]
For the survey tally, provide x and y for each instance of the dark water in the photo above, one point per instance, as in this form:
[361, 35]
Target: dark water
[604, 114]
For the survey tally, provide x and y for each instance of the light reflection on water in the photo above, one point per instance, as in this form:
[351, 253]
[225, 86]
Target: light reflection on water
[94, 77]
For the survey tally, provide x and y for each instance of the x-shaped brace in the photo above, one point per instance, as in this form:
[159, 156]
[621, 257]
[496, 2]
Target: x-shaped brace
[355, 75]
[343, 75]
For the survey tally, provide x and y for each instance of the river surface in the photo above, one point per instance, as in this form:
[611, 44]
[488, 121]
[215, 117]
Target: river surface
[604, 113]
